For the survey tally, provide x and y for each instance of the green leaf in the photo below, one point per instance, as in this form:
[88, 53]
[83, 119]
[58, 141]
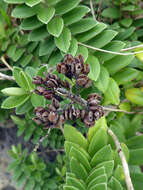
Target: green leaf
[38, 34]
[75, 15]
[137, 180]
[25, 60]
[92, 130]
[114, 46]
[63, 41]
[95, 173]
[112, 94]
[136, 156]
[44, 47]
[117, 63]
[135, 95]
[55, 26]
[17, 120]
[67, 187]
[37, 100]
[23, 11]
[29, 184]
[45, 14]
[83, 51]
[14, 101]
[94, 67]
[104, 154]
[135, 142]
[102, 39]
[126, 75]
[119, 174]
[65, 6]
[98, 141]
[108, 165]
[115, 184]
[73, 47]
[126, 22]
[83, 25]
[74, 152]
[97, 180]
[26, 81]
[15, 1]
[31, 3]
[72, 181]
[71, 134]
[103, 79]
[102, 186]
[85, 36]
[30, 24]
[18, 54]
[113, 13]
[13, 91]
[24, 108]
[78, 169]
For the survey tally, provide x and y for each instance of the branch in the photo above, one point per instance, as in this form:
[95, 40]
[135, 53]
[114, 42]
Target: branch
[6, 77]
[123, 160]
[118, 110]
[107, 51]
[41, 140]
[132, 48]
[5, 62]
[92, 9]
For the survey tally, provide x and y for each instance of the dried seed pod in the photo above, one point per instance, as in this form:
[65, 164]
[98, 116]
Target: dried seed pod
[83, 113]
[78, 68]
[61, 68]
[78, 113]
[66, 114]
[37, 120]
[37, 80]
[93, 102]
[88, 123]
[68, 59]
[90, 116]
[55, 103]
[51, 83]
[45, 116]
[51, 108]
[40, 90]
[83, 81]
[93, 96]
[80, 58]
[48, 95]
[53, 117]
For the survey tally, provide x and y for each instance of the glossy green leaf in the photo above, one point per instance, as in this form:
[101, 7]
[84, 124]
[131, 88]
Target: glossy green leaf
[135, 95]
[45, 14]
[126, 22]
[16, 74]
[76, 136]
[38, 100]
[67, 187]
[136, 156]
[72, 181]
[15, 1]
[13, 91]
[55, 26]
[18, 54]
[23, 11]
[26, 81]
[102, 186]
[112, 94]
[135, 142]
[98, 180]
[65, 6]
[31, 3]
[75, 15]
[94, 67]
[24, 108]
[83, 25]
[103, 80]
[63, 41]
[104, 154]
[14, 101]
[30, 23]
[26, 59]
[108, 165]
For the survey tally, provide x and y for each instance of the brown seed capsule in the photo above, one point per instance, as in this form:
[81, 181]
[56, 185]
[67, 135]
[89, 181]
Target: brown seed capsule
[48, 95]
[68, 59]
[65, 84]
[90, 116]
[53, 117]
[45, 116]
[88, 123]
[78, 68]
[83, 81]
[62, 68]
[37, 80]
[94, 96]
[51, 83]
[40, 90]
[83, 112]
[55, 103]
[51, 108]
[37, 120]
[78, 113]
[86, 69]
[93, 102]
[81, 60]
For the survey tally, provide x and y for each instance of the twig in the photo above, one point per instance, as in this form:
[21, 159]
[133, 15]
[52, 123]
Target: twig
[99, 10]
[6, 77]
[5, 62]
[92, 9]
[41, 140]
[118, 110]
[132, 48]
[107, 51]
[123, 160]
[4, 69]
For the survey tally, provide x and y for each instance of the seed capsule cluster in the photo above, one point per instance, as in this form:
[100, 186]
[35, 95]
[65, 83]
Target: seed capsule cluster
[53, 115]
[75, 68]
